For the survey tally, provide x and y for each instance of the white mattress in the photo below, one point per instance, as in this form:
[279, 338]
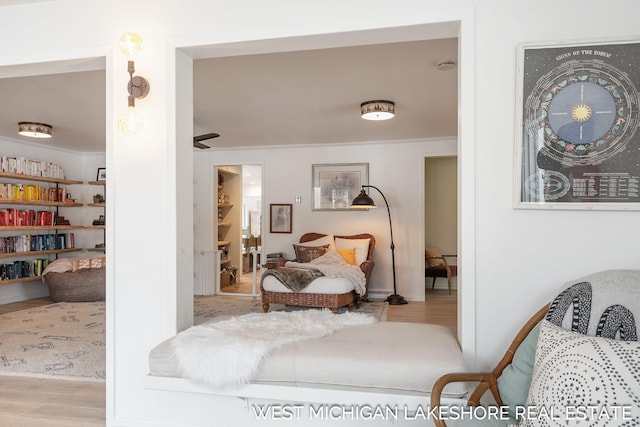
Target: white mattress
[385, 356]
[321, 285]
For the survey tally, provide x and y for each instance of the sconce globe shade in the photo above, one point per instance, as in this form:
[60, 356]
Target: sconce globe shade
[130, 123]
[377, 110]
[130, 44]
[362, 201]
[34, 130]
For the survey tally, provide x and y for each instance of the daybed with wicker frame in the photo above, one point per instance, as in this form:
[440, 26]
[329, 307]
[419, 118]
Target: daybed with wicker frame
[327, 300]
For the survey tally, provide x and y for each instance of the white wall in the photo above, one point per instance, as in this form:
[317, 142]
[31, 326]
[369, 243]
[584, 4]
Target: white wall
[522, 256]
[77, 166]
[396, 168]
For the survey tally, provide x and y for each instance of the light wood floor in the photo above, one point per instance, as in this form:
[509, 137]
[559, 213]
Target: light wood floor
[37, 402]
[40, 402]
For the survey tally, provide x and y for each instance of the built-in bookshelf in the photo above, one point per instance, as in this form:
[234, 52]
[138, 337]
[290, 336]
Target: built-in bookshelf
[99, 247]
[31, 227]
[228, 223]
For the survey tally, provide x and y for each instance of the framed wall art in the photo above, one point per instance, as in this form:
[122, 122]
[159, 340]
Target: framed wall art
[102, 174]
[281, 218]
[336, 185]
[577, 139]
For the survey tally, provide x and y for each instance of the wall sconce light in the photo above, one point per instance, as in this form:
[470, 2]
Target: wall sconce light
[377, 110]
[34, 130]
[130, 122]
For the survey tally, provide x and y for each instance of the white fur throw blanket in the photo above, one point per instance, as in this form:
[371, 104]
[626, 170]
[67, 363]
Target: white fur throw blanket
[228, 353]
[333, 265]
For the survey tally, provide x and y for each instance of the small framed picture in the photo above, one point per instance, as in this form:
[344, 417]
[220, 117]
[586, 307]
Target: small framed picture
[280, 218]
[102, 174]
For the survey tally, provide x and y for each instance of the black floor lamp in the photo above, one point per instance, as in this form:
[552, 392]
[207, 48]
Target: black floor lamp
[363, 201]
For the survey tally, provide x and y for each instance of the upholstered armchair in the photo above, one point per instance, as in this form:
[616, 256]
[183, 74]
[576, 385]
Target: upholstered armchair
[437, 266]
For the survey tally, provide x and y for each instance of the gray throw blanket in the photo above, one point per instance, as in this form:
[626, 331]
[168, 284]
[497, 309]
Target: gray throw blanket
[333, 265]
[295, 279]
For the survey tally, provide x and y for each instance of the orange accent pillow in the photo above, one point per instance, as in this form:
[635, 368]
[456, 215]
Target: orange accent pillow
[349, 255]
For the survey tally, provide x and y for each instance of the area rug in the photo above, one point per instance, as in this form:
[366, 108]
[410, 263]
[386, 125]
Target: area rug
[208, 307]
[63, 340]
[228, 353]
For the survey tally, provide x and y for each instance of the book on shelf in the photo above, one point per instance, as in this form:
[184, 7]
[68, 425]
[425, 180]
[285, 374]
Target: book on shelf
[22, 269]
[24, 166]
[272, 257]
[26, 217]
[32, 193]
[36, 242]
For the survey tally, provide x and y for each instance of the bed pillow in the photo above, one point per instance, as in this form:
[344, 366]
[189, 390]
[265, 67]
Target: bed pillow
[309, 253]
[574, 372]
[60, 265]
[349, 255]
[361, 246]
[324, 240]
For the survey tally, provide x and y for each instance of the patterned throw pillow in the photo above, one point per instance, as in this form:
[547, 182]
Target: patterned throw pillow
[583, 380]
[309, 253]
[80, 263]
[324, 240]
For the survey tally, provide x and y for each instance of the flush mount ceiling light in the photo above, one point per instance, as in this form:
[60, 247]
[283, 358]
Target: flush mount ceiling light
[34, 130]
[377, 110]
[446, 64]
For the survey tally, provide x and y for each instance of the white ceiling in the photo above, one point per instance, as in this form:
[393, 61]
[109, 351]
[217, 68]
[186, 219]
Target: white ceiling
[302, 97]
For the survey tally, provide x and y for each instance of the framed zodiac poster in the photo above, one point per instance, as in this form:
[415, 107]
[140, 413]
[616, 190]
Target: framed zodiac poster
[577, 139]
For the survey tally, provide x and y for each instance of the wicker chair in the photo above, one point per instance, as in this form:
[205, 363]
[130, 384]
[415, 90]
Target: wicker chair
[332, 301]
[488, 380]
[584, 351]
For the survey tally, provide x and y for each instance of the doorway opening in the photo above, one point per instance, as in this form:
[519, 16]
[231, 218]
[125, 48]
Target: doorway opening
[238, 229]
[441, 230]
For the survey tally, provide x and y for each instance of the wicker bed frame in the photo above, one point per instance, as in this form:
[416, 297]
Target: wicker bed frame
[332, 301]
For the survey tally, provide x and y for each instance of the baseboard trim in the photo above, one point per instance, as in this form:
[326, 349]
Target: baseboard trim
[18, 292]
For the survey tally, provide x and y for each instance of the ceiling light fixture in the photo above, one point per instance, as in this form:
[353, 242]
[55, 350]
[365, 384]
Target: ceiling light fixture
[34, 130]
[446, 64]
[130, 123]
[377, 110]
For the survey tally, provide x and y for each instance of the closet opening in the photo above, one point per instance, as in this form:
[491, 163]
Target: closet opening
[238, 229]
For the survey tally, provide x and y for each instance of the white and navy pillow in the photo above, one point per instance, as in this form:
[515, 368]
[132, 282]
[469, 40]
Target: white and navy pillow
[581, 380]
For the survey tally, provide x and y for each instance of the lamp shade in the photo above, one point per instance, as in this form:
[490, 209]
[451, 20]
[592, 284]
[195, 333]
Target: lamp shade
[34, 130]
[362, 201]
[377, 110]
